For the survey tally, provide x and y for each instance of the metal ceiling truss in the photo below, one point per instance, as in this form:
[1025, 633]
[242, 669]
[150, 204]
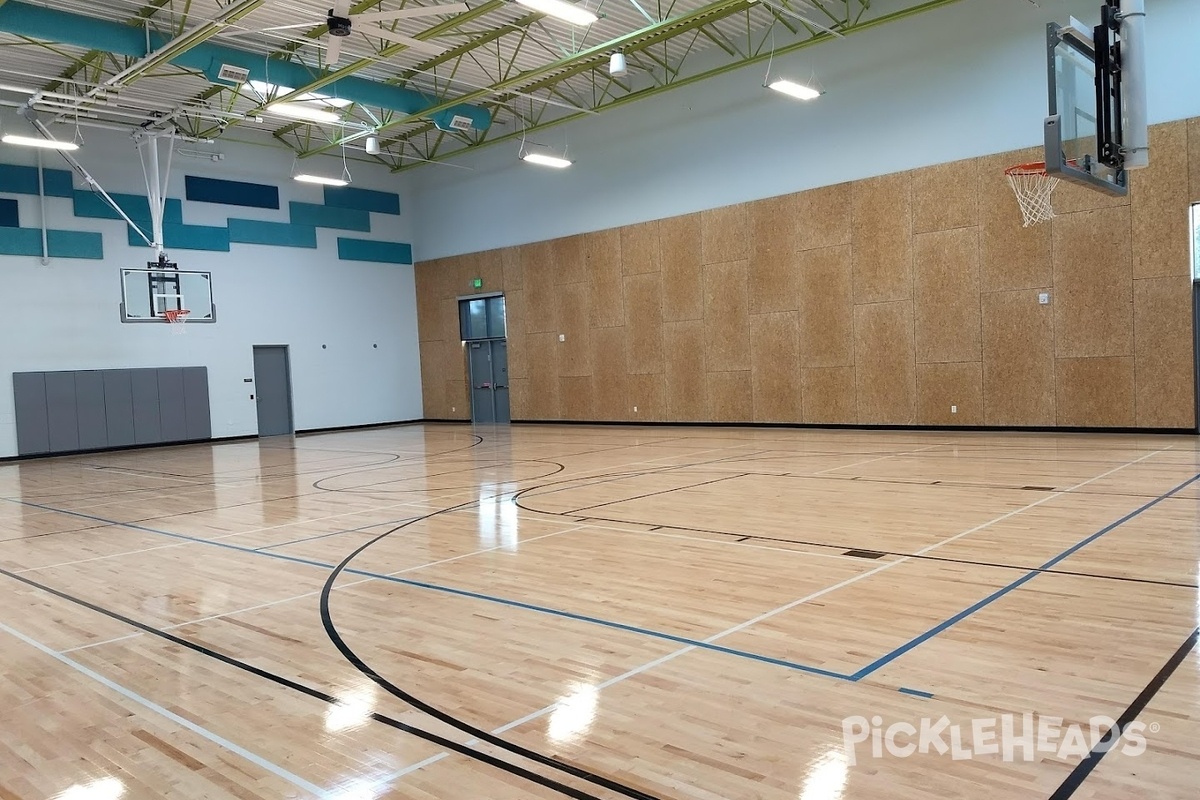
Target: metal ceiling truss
[515, 67]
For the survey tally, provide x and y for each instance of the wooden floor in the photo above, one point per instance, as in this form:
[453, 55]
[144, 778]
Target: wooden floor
[596, 612]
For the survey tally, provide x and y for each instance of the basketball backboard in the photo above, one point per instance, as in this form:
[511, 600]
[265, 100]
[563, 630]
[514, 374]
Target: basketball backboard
[146, 294]
[1083, 131]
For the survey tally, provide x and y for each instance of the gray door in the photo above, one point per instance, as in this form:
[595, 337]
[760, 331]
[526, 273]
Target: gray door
[500, 379]
[483, 410]
[272, 390]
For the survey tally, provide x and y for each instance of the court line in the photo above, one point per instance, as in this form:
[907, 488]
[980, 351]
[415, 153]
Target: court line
[271, 603]
[1084, 768]
[882, 458]
[150, 705]
[996, 595]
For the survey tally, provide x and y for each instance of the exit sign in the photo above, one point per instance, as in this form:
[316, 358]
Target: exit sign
[477, 283]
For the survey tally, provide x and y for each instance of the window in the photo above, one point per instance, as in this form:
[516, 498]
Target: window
[482, 318]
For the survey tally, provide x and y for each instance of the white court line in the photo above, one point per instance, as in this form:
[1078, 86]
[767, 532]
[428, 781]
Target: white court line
[318, 591]
[761, 617]
[881, 458]
[133, 696]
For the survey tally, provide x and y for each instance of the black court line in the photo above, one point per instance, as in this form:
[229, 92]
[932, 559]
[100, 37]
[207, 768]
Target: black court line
[310, 691]
[335, 533]
[1085, 767]
[664, 491]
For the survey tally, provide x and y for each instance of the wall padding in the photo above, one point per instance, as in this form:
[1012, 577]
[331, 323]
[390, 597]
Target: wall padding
[884, 301]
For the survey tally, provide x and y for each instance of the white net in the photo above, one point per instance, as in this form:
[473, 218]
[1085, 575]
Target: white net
[176, 320]
[1034, 190]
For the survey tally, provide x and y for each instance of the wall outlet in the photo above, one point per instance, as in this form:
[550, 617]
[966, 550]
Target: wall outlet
[562, 337]
[635, 409]
[1044, 298]
[453, 409]
[953, 409]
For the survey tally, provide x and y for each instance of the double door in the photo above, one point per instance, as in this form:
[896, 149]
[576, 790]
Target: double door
[487, 361]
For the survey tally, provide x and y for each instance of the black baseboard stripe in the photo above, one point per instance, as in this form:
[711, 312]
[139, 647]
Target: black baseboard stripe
[363, 427]
[856, 427]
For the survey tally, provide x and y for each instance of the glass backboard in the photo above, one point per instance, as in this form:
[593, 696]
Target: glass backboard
[147, 293]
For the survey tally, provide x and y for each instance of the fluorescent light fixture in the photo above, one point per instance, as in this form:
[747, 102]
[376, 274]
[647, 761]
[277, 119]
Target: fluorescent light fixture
[576, 15]
[796, 90]
[545, 160]
[306, 113]
[37, 141]
[321, 179]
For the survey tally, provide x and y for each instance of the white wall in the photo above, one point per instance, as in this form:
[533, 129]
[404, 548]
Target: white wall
[65, 315]
[965, 80]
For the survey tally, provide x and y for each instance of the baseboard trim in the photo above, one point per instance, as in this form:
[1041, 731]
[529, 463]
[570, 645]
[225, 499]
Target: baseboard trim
[128, 447]
[364, 426]
[864, 427]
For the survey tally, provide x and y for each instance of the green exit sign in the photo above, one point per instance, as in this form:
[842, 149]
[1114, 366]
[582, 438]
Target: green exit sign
[477, 283]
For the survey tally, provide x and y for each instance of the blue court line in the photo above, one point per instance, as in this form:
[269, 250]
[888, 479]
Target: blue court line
[916, 693]
[996, 595]
[459, 593]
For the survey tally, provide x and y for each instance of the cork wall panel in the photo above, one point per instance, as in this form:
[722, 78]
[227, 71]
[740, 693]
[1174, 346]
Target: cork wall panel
[1162, 331]
[1093, 284]
[774, 281]
[726, 318]
[885, 379]
[775, 367]
[511, 265]
[826, 307]
[828, 395]
[823, 217]
[609, 373]
[1159, 206]
[644, 331]
[432, 382]
[724, 234]
[950, 394]
[946, 295]
[882, 238]
[576, 398]
[543, 376]
[574, 354]
[1095, 392]
[456, 402]
[485, 266]
[1194, 158]
[514, 312]
[683, 285]
[1011, 255]
[640, 248]
[946, 196]
[729, 397]
[1070, 198]
[645, 398]
[569, 259]
[775, 224]
[518, 398]
[541, 314]
[603, 254]
[684, 370]
[1018, 360]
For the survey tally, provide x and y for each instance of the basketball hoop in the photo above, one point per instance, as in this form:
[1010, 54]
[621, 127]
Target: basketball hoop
[175, 318]
[1033, 187]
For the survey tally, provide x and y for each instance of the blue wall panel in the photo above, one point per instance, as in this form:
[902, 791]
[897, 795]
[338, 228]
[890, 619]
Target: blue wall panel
[347, 219]
[9, 216]
[188, 237]
[280, 234]
[362, 199]
[230, 193]
[24, 180]
[75, 244]
[91, 205]
[21, 242]
[379, 252]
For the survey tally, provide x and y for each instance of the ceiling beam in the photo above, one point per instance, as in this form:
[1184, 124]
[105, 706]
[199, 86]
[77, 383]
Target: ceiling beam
[928, 5]
[92, 56]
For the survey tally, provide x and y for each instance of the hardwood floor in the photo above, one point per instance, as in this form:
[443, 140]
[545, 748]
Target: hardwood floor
[603, 612]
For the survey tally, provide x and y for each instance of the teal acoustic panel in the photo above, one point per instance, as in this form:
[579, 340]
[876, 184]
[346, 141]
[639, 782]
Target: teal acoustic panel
[362, 199]
[230, 193]
[279, 234]
[347, 219]
[24, 180]
[188, 237]
[379, 252]
[75, 244]
[60, 244]
[92, 206]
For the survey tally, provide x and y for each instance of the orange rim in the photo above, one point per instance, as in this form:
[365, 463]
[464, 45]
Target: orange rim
[1033, 168]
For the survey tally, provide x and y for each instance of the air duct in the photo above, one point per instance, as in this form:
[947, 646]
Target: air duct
[50, 25]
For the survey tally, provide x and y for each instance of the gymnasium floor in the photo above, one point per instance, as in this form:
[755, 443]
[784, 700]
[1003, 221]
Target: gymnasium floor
[595, 612]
